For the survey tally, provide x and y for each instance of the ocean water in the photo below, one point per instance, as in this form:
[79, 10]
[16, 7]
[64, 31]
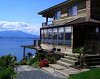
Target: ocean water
[13, 46]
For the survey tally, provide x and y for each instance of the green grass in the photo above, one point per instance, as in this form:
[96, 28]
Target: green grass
[91, 74]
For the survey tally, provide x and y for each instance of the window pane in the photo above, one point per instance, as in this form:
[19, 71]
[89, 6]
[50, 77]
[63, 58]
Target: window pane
[57, 15]
[55, 36]
[61, 33]
[42, 34]
[49, 36]
[69, 11]
[45, 34]
[61, 36]
[49, 33]
[74, 10]
[68, 36]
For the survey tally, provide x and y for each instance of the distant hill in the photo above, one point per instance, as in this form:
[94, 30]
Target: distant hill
[17, 34]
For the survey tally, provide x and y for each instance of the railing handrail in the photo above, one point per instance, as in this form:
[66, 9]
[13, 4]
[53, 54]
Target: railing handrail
[49, 23]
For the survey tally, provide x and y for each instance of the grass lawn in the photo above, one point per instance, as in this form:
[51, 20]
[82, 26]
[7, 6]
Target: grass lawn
[91, 74]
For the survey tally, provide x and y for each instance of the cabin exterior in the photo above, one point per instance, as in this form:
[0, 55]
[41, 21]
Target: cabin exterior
[72, 24]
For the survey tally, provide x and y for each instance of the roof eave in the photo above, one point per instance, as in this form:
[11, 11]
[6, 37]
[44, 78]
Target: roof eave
[53, 7]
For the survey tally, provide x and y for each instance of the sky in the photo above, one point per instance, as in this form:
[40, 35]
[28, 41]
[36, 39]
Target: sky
[22, 14]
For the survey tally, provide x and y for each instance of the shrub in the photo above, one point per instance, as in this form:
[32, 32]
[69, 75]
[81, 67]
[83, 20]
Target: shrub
[32, 60]
[52, 60]
[35, 64]
[6, 73]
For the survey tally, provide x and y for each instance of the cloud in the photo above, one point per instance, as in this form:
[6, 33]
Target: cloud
[21, 26]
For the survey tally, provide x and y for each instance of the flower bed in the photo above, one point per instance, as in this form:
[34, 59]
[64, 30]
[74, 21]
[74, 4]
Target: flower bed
[43, 63]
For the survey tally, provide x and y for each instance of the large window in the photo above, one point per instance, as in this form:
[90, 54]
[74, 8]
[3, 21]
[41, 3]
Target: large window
[72, 11]
[57, 15]
[68, 36]
[61, 36]
[57, 36]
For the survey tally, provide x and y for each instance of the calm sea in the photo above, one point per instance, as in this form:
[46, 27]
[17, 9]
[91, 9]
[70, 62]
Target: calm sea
[13, 46]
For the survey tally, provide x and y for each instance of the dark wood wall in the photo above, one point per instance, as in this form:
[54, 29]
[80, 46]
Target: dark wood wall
[95, 9]
[81, 34]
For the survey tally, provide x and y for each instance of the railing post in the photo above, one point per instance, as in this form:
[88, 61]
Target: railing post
[23, 52]
[34, 42]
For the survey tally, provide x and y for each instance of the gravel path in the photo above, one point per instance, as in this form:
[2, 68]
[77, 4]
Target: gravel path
[26, 72]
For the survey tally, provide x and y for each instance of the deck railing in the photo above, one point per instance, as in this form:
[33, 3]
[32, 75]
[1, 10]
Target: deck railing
[47, 24]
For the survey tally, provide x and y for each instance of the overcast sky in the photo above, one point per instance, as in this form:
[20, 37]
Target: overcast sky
[22, 14]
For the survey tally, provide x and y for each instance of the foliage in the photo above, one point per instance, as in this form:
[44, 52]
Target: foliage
[81, 56]
[32, 60]
[91, 74]
[51, 60]
[36, 64]
[6, 73]
[7, 66]
[40, 57]
[7, 61]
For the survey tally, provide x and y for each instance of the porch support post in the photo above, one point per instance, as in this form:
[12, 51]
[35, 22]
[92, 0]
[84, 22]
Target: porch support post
[57, 35]
[41, 36]
[88, 9]
[72, 38]
[64, 36]
[46, 20]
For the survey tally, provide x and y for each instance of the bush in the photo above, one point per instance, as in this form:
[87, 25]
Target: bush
[39, 60]
[35, 64]
[32, 60]
[6, 73]
[51, 60]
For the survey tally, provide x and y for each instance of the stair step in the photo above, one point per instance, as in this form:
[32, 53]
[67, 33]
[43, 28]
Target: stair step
[70, 58]
[94, 63]
[68, 71]
[64, 63]
[68, 61]
[71, 55]
[48, 69]
[57, 66]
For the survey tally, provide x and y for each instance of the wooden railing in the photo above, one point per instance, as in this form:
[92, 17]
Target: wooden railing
[47, 24]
